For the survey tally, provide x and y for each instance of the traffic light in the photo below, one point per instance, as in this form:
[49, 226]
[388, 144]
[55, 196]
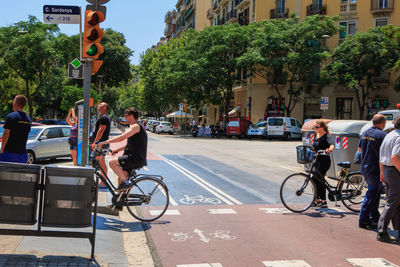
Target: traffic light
[93, 34]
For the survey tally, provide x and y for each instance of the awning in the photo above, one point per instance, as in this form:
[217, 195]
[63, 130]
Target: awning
[233, 111]
[179, 114]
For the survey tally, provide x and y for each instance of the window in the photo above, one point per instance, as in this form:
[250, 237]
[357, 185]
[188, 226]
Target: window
[280, 6]
[66, 131]
[344, 108]
[381, 22]
[51, 133]
[383, 4]
[293, 122]
[317, 4]
[233, 124]
[275, 122]
[350, 27]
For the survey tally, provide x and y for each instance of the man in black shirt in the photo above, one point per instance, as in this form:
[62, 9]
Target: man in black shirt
[135, 151]
[16, 130]
[102, 131]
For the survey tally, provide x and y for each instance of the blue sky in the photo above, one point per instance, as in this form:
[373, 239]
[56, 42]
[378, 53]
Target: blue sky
[142, 22]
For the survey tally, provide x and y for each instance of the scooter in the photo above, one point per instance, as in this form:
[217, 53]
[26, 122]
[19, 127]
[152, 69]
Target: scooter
[216, 131]
[195, 131]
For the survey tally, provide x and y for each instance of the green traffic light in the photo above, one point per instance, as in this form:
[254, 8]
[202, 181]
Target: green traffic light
[92, 50]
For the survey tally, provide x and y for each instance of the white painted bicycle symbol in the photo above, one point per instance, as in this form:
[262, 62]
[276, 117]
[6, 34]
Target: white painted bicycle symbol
[199, 198]
[179, 236]
[223, 234]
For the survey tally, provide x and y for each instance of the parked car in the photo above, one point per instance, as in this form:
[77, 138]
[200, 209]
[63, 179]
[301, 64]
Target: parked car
[237, 127]
[154, 125]
[148, 125]
[165, 127]
[283, 127]
[2, 129]
[53, 122]
[48, 141]
[258, 130]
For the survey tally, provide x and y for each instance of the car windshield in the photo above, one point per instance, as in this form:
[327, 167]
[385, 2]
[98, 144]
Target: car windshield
[166, 124]
[259, 124]
[33, 133]
[233, 124]
[275, 122]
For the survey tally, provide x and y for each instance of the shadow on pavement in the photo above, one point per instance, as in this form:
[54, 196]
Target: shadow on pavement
[32, 260]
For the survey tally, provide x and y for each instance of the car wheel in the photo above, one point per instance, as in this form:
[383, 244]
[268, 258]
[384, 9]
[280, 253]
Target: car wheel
[31, 157]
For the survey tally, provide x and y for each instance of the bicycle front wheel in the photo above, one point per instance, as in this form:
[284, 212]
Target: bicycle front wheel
[352, 191]
[297, 192]
[148, 199]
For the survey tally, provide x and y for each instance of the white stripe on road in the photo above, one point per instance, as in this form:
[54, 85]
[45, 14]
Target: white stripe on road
[209, 187]
[179, 168]
[371, 262]
[167, 212]
[221, 211]
[275, 210]
[289, 263]
[288, 168]
[201, 265]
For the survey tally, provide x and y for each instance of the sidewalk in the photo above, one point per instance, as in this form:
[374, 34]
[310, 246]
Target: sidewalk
[120, 241]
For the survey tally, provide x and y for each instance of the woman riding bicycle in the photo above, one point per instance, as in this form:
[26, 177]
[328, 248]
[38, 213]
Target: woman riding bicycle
[323, 141]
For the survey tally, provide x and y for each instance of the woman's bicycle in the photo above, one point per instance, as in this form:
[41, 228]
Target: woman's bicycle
[147, 199]
[298, 190]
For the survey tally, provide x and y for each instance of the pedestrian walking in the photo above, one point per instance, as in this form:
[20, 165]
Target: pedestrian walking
[16, 130]
[73, 136]
[369, 145]
[323, 141]
[390, 159]
[101, 133]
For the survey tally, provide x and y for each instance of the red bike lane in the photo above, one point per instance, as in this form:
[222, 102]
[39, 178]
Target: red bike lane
[264, 235]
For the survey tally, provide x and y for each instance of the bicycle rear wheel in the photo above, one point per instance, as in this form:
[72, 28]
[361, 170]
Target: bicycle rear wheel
[148, 199]
[297, 192]
[352, 191]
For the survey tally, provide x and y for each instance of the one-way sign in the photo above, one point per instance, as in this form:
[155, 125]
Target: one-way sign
[61, 14]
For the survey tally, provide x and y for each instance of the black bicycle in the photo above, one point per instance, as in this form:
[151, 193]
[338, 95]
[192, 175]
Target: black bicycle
[147, 199]
[298, 191]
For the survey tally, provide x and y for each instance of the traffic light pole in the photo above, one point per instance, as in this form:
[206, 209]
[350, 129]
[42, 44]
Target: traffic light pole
[86, 112]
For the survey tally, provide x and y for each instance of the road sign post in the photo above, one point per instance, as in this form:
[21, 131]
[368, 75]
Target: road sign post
[53, 14]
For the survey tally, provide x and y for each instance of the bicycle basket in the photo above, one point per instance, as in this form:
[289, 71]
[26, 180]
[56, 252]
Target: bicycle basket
[305, 154]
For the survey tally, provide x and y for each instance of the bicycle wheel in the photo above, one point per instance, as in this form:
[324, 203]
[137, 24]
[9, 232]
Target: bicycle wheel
[352, 191]
[297, 192]
[148, 199]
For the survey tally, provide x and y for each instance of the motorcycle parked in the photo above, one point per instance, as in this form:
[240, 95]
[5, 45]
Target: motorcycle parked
[195, 131]
[216, 131]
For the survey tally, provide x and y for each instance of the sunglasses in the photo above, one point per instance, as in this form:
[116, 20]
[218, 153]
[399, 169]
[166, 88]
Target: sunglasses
[316, 127]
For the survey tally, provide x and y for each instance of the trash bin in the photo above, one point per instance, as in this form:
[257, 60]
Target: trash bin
[68, 196]
[19, 192]
[346, 135]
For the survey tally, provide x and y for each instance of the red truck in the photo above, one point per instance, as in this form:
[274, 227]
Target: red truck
[237, 127]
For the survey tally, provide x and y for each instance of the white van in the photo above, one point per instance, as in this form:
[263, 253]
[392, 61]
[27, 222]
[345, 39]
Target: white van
[390, 114]
[283, 127]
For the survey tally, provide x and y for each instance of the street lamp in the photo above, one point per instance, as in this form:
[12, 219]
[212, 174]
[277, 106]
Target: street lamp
[8, 48]
[325, 37]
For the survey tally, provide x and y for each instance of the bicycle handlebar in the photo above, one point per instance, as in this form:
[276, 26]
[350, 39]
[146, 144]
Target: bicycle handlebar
[321, 153]
[102, 152]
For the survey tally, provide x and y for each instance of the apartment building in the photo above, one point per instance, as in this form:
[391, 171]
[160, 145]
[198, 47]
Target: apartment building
[255, 98]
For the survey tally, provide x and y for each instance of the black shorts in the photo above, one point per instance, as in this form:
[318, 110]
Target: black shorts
[128, 163]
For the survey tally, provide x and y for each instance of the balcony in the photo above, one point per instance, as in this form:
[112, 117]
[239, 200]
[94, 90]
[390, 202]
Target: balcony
[168, 30]
[348, 9]
[279, 14]
[382, 77]
[239, 4]
[312, 10]
[381, 7]
[231, 16]
[169, 16]
[223, 2]
[210, 14]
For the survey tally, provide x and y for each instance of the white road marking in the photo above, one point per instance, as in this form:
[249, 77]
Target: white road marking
[172, 201]
[187, 174]
[275, 210]
[371, 262]
[234, 200]
[167, 212]
[202, 237]
[288, 168]
[201, 265]
[289, 263]
[221, 211]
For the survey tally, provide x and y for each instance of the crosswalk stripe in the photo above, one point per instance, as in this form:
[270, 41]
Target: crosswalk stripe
[275, 210]
[167, 212]
[288, 263]
[370, 262]
[201, 265]
[221, 211]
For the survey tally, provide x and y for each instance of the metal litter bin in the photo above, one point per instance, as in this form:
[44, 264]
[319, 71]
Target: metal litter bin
[346, 135]
[308, 131]
[68, 196]
[19, 192]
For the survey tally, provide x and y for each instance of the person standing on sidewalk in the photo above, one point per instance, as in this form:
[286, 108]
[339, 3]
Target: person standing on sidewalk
[369, 146]
[73, 136]
[16, 130]
[101, 133]
[390, 159]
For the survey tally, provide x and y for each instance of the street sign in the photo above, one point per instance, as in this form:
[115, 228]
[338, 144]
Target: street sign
[76, 63]
[181, 106]
[75, 73]
[61, 14]
[324, 103]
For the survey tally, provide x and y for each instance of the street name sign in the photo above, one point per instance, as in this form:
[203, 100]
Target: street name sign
[61, 14]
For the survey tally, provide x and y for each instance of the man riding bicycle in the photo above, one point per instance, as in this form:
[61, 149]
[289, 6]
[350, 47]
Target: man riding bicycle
[135, 151]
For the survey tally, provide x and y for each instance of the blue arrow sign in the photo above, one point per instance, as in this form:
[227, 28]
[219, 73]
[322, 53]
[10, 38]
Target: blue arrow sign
[61, 14]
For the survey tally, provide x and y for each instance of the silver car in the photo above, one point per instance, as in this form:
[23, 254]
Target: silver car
[48, 141]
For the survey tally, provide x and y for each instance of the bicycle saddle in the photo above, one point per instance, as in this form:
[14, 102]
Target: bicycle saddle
[344, 164]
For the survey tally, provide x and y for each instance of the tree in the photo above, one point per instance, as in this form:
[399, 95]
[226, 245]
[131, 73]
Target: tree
[285, 52]
[358, 60]
[33, 56]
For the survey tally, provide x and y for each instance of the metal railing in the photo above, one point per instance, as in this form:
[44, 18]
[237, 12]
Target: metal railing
[279, 14]
[312, 10]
